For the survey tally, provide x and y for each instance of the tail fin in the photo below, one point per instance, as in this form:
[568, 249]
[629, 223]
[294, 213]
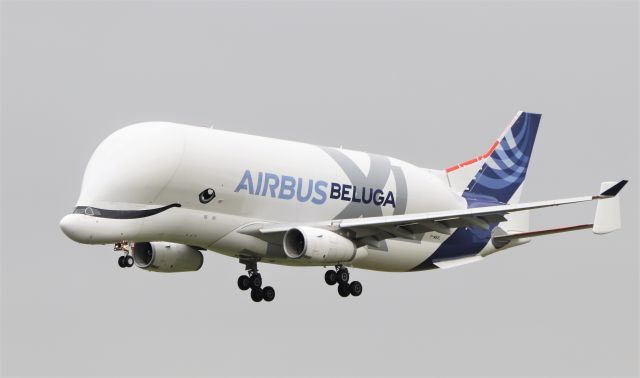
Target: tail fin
[498, 174]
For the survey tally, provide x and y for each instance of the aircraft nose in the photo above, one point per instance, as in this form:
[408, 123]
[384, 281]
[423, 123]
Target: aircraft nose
[65, 225]
[70, 227]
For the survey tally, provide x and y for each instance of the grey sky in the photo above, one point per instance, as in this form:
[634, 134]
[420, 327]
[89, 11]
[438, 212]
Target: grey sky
[432, 83]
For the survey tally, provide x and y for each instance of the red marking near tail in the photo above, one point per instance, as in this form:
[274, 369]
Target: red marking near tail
[495, 144]
[471, 161]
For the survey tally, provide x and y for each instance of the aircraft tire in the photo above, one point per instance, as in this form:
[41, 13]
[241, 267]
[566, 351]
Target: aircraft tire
[268, 293]
[343, 276]
[355, 288]
[256, 295]
[331, 277]
[343, 290]
[256, 281]
[244, 283]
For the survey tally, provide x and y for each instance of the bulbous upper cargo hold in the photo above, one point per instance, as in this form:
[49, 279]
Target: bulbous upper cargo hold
[156, 164]
[133, 165]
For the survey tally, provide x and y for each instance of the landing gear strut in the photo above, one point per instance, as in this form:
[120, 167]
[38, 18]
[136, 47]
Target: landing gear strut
[340, 276]
[253, 281]
[125, 261]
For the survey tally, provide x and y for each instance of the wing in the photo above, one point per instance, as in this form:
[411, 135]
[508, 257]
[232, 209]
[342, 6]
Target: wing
[372, 230]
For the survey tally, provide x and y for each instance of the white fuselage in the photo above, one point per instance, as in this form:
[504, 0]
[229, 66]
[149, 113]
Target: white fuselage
[256, 180]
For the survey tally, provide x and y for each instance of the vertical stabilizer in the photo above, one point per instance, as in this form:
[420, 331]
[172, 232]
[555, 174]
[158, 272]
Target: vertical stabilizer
[497, 175]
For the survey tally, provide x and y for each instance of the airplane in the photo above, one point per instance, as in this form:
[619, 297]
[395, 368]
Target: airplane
[162, 193]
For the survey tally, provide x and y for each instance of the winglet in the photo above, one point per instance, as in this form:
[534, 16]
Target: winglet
[613, 190]
[607, 217]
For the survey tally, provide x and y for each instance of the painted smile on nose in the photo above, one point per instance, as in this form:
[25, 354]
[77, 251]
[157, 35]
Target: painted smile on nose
[80, 226]
[121, 214]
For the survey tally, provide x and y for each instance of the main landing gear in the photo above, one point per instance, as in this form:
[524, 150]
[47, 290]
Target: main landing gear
[340, 276]
[253, 281]
[125, 261]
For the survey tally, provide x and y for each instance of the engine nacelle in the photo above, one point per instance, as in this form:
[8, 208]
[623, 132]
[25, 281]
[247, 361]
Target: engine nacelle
[166, 257]
[318, 245]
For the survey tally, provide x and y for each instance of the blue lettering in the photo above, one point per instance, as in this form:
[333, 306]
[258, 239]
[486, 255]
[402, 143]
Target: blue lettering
[335, 191]
[246, 182]
[287, 188]
[390, 200]
[364, 196]
[259, 184]
[320, 192]
[378, 197]
[355, 192]
[301, 197]
[272, 186]
[345, 192]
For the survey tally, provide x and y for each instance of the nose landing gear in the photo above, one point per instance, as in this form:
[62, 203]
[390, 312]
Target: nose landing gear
[253, 281]
[125, 261]
[340, 276]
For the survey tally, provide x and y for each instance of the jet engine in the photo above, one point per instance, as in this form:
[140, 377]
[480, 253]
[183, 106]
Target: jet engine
[318, 245]
[166, 257]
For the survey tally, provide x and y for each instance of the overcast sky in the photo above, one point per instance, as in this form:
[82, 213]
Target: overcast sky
[432, 83]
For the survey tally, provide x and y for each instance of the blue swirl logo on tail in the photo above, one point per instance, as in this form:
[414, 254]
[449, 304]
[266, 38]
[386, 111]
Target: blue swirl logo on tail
[505, 169]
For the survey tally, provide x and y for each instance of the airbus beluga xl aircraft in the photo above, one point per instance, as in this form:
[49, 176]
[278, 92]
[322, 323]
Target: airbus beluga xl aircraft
[162, 193]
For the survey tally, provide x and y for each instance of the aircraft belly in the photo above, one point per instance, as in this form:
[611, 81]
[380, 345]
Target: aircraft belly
[190, 227]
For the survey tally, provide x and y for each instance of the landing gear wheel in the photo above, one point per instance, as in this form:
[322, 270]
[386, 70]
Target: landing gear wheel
[331, 277]
[268, 293]
[343, 290]
[256, 281]
[128, 260]
[256, 295]
[253, 280]
[343, 276]
[121, 262]
[355, 288]
[244, 283]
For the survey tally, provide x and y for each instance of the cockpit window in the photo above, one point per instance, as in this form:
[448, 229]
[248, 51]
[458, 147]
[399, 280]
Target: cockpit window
[87, 210]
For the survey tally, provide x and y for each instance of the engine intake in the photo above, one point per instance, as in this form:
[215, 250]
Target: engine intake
[166, 257]
[318, 245]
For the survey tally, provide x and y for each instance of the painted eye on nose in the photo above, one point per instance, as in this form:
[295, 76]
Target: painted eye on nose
[207, 195]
